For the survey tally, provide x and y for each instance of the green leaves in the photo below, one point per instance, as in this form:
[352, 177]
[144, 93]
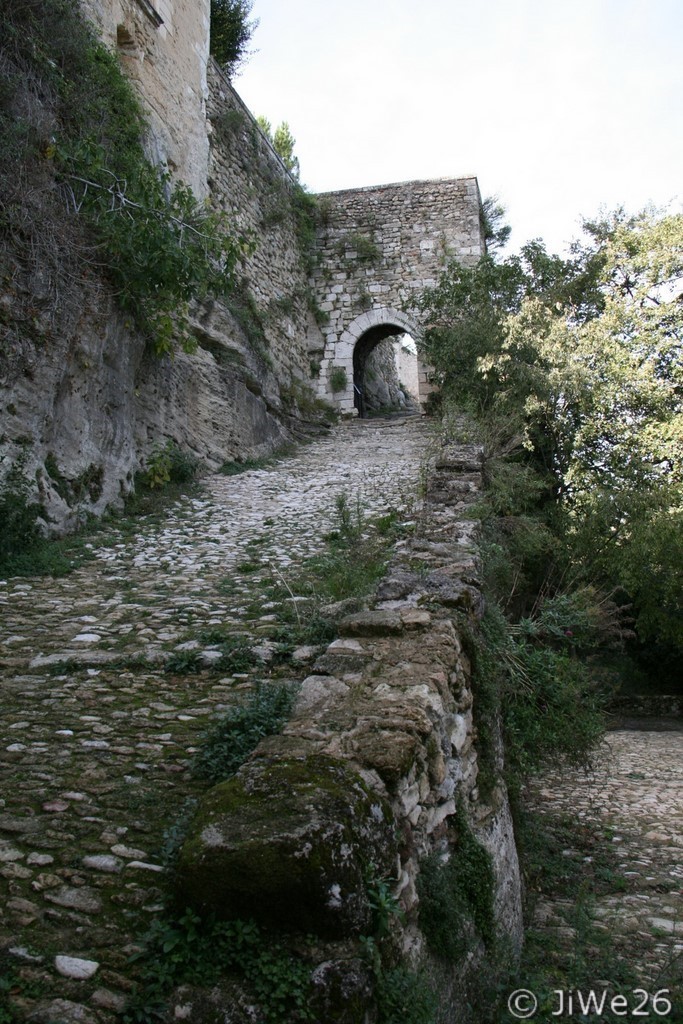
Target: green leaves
[190, 950]
[227, 745]
[231, 32]
[575, 366]
[160, 248]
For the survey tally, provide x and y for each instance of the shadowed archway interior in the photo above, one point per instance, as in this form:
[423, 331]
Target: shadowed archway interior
[364, 347]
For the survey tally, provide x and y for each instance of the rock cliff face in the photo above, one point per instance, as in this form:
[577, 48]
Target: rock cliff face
[82, 402]
[382, 386]
[88, 404]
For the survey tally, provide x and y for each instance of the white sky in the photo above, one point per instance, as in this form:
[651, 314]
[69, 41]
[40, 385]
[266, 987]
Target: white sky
[557, 107]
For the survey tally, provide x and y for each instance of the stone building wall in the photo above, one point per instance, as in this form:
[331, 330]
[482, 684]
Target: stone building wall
[380, 246]
[163, 46]
[250, 184]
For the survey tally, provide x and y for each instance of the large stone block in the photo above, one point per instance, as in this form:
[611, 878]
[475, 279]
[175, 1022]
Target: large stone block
[289, 842]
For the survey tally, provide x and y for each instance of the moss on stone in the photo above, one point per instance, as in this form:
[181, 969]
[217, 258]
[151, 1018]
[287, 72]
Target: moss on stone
[289, 843]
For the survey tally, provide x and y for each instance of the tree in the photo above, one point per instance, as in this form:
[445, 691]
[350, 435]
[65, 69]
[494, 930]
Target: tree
[231, 32]
[496, 233]
[283, 143]
[578, 363]
[466, 316]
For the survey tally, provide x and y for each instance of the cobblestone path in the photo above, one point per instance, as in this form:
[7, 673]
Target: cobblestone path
[95, 737]
[633, 800]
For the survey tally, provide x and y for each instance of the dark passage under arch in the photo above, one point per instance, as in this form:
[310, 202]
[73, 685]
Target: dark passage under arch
[370, 396]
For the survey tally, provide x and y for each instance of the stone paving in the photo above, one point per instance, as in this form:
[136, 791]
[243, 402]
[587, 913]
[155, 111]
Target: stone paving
[633, 798]
[95, 737]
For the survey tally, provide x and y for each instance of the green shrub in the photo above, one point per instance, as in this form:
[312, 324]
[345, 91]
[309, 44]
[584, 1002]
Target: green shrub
[531, 678]
[18, 513]
[183, 663]
[185, 949]
[249, 317]
[404, 997]
[321, 316]
[305, 209]
[366, 250]
[364, 299]
[231, 31]
[352, 563]
[457, 893]
[550, 710]
[338, 379]
[24, 551]
[169, 464]
[230, 740]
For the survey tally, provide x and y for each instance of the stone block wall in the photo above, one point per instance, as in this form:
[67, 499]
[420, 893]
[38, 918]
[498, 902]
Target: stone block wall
[163, 46]
[249, 182]
[380, 246]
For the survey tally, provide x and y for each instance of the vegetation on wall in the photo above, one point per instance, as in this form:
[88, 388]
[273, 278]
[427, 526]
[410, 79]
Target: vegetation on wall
[338, 379]
[456, 895]
[365, 248]
[69, 116]
[231, 33]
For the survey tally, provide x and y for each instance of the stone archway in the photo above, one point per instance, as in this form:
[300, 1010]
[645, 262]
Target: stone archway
[346, 362]
[376, 383]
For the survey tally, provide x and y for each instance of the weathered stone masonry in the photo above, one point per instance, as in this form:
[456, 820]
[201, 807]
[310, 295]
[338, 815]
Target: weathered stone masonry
[378, 248]
[379, 753]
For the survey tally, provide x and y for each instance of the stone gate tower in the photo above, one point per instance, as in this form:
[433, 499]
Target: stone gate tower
[377, 249]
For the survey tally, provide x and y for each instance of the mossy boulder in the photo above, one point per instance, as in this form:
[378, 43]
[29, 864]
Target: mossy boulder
[289, 843]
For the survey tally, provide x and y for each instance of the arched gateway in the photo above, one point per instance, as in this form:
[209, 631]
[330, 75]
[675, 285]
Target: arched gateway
[357, 343]
[378, 249]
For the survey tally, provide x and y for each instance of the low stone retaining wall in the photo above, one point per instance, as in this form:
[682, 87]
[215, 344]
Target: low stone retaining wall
[648, 705]
[369, 774]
